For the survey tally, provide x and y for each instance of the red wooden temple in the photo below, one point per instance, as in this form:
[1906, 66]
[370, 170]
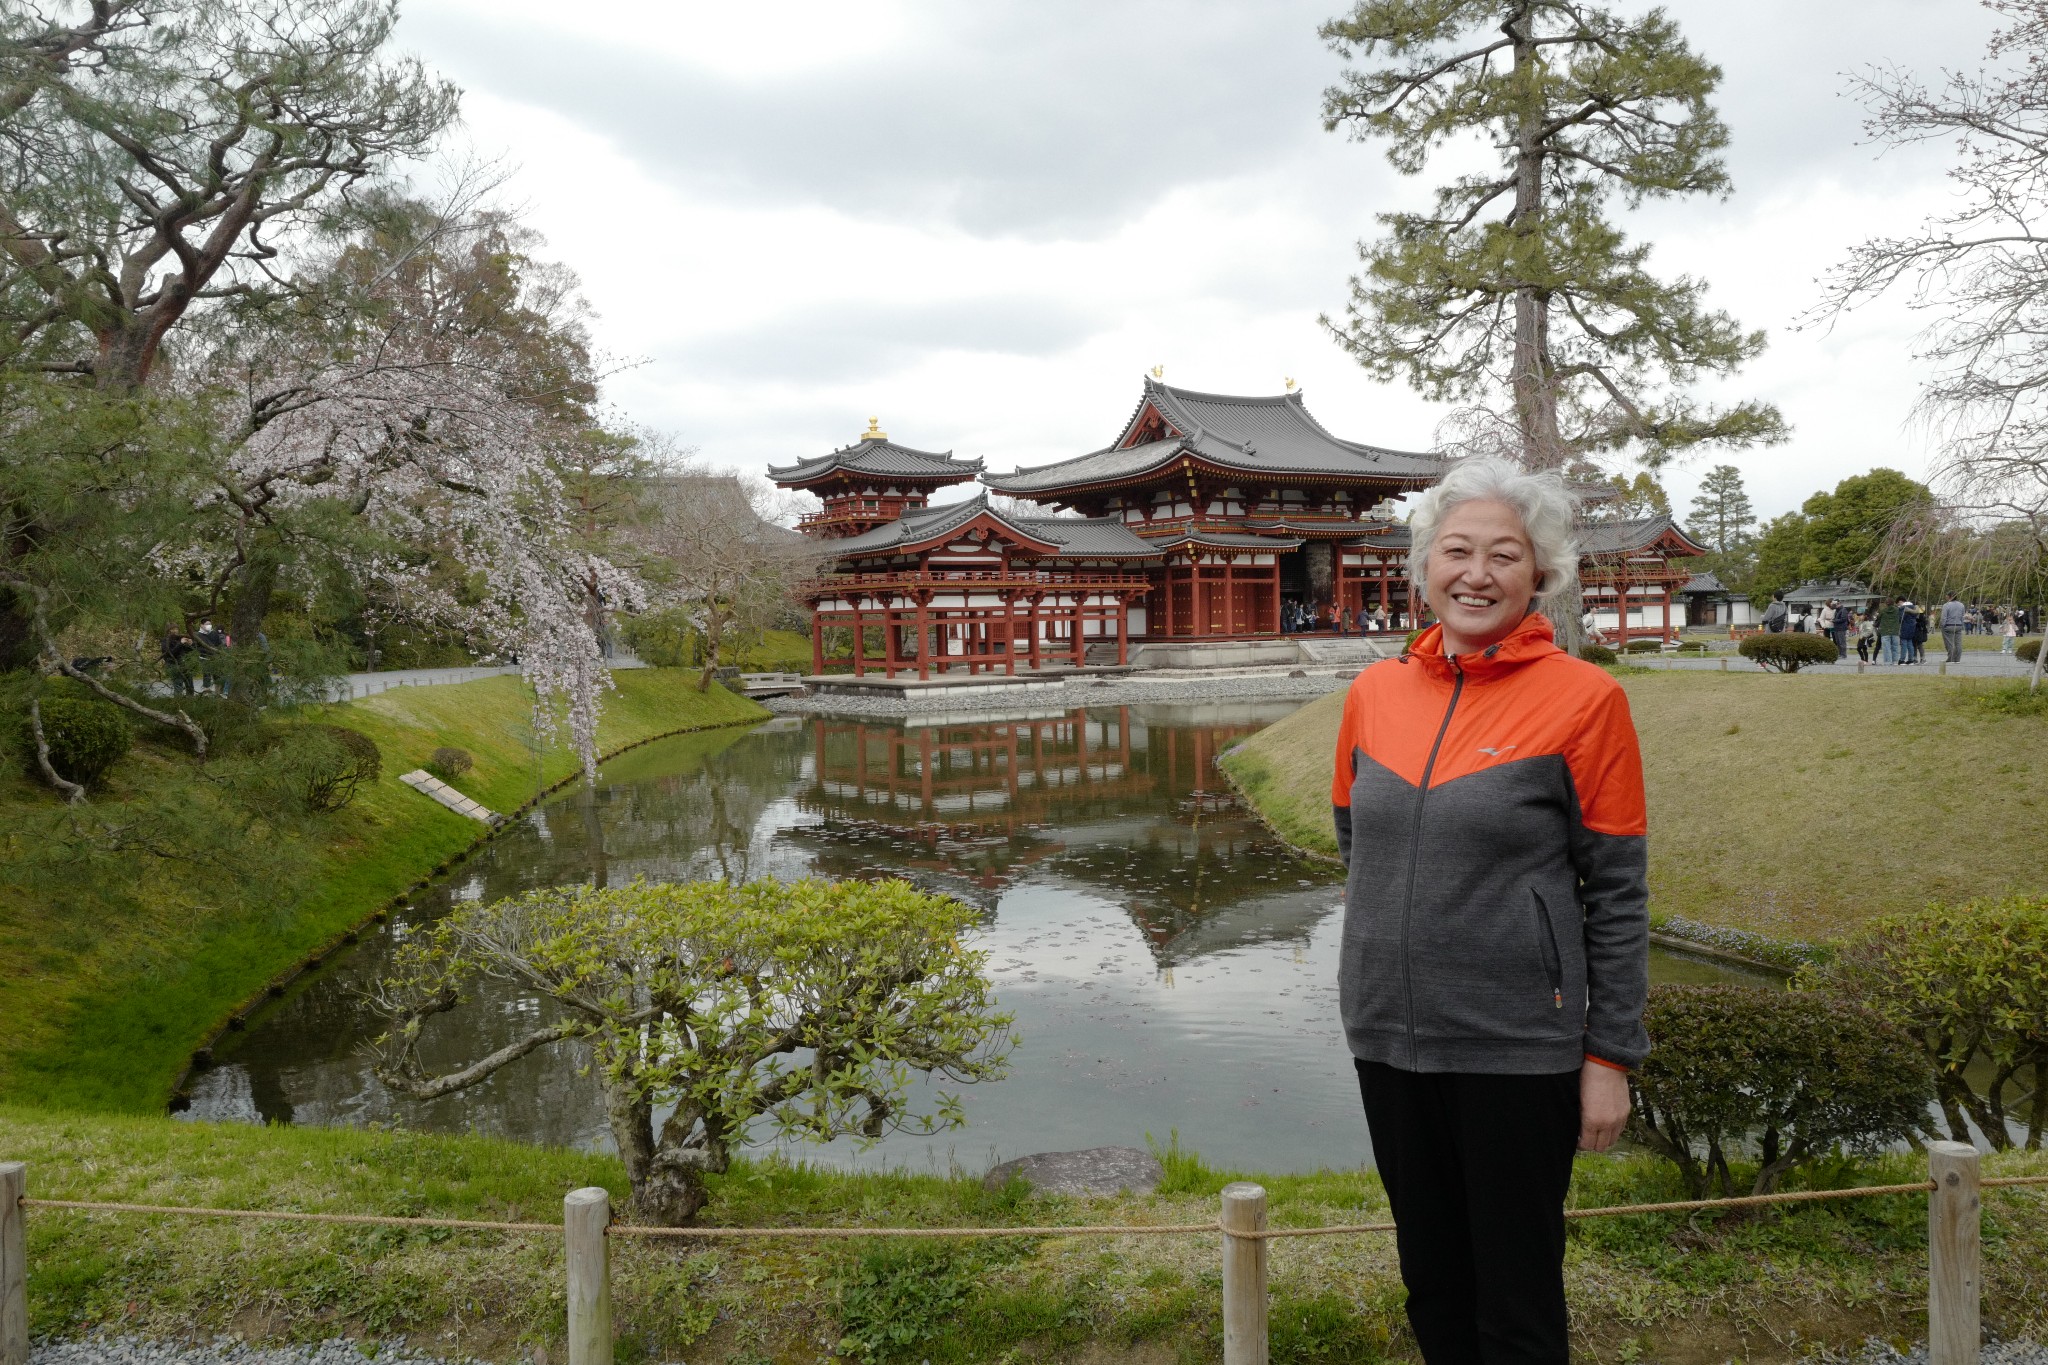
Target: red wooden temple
[1208, 517]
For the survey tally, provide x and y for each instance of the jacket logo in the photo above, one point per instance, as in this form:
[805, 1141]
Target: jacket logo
[1496, 753]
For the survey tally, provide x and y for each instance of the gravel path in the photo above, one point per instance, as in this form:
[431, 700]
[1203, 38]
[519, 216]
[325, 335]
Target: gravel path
[1876, 1352]
[1083, 692]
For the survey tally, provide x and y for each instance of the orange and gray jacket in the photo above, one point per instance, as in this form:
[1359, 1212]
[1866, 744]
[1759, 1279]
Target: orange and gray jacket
[1490, 814]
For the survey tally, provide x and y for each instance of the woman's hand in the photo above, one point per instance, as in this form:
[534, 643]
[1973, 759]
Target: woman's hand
[1603, 1106]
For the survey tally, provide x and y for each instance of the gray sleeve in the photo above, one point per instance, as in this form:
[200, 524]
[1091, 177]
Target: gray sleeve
[1614, 890]
[1343, 817]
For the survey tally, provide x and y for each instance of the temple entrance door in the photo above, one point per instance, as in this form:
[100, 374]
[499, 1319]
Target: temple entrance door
[1296, 591]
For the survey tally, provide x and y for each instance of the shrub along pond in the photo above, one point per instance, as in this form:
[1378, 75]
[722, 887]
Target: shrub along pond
[1170, 965]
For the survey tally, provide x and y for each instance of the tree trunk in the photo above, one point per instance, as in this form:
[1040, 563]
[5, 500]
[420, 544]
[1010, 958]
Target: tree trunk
[1535, 387]
[714, 634]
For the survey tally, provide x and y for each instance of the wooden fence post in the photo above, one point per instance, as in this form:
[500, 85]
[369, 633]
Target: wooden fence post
[586, 1213]
[1244, 1274]
[13, 1265]
[1954, 1255]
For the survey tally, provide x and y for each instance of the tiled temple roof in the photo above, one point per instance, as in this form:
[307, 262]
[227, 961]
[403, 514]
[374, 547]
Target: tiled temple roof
[1069, 537]
[1268, 436]
[879, 458]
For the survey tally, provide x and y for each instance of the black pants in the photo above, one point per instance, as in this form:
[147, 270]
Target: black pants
[1477, 1168]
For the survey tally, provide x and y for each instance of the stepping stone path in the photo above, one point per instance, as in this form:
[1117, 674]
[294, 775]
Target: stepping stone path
[1092, 1170]
[420, 780]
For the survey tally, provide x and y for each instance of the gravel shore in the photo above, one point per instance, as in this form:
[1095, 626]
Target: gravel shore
[1118, 691]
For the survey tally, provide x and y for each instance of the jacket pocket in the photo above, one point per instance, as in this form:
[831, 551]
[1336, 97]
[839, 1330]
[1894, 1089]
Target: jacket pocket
[1546, 948]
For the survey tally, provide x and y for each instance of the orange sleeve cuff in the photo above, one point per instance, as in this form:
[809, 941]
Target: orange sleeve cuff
[1604, 1062]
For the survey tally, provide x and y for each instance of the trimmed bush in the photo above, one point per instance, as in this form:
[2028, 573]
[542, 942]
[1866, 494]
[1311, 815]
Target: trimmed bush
[1598, 654]
[1969, 983]
[325, 765]
[1801, 1073]
[86, 736]
[2028, 650]
[1691, 647]
[449, 764]
[1640, 646]
[1788, 652]
[229, 724]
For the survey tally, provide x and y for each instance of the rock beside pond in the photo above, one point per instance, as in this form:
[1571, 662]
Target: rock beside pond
[1093, 1170]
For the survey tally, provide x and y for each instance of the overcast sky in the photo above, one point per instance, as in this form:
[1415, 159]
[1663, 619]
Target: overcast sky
[982, 222]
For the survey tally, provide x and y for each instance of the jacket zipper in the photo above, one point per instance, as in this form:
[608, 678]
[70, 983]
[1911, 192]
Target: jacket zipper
[1415, 850]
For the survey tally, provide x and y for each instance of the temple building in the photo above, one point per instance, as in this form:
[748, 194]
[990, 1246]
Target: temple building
[1209, 517]
[1250, 504]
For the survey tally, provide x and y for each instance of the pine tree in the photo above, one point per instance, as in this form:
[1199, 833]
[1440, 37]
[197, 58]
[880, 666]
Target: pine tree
[1516, 284]
[1722, 515]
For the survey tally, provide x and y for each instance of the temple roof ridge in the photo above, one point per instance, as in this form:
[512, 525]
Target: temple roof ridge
[882, 458]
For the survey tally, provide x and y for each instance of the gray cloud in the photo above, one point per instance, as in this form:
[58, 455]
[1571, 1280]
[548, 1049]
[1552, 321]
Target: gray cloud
[844, 343]
[1060, 118]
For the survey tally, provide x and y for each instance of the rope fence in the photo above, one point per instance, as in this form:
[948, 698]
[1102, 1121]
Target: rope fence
[1953, 1188]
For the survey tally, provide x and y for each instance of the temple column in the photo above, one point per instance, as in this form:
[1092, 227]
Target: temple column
[1230, 594]
[1123, 629]
[817, 643]
[1010, 631]
[859, 642]
[924, 663]
[1667, 612]
[889, 629]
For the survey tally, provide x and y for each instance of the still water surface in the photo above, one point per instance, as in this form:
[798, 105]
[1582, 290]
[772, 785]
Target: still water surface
[1171, 967]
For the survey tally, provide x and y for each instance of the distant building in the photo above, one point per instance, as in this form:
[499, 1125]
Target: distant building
[1207, 517]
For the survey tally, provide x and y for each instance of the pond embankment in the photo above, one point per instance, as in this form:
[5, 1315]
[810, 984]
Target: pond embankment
[1790, 808]
[109, 995]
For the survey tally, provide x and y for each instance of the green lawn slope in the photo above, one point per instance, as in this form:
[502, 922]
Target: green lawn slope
[105, 1003]
[1775, 1286]
[1793, 807]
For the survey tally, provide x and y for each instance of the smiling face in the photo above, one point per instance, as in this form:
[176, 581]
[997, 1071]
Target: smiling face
[1481, 574]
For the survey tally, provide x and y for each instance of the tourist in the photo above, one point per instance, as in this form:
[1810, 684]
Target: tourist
[2012, 634]
[1952, 628]
[1866, 637]
[1774, 614]
[1495, 949]
[176, 650]
[1912, 621]
[1888, 617]
[1839, 617]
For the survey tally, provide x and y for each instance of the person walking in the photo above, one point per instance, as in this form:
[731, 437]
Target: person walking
[177, 650]
[1488, 798]
[2011, 633]
[1888, 617]
[1953, 614]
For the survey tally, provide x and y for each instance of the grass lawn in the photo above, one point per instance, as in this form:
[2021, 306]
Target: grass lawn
[105, 999]
[1652, 1287]
[1792, 807]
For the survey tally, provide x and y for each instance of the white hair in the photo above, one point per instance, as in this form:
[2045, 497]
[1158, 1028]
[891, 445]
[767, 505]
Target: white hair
[1547, 508]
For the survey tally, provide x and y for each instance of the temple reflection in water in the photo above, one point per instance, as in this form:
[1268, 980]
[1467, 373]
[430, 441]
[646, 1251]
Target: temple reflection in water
[1124, 801]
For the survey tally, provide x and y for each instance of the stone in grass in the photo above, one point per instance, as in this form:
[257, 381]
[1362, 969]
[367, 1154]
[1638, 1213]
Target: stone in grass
[1093, 1170]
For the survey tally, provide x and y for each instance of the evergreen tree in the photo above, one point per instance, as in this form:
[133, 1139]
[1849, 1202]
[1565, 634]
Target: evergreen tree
[1516, 283]
[1722, 515]
[1639, 497]
[1780, 556]
[1846, 529]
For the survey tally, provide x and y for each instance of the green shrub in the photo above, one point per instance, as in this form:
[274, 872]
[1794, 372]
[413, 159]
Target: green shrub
[1801, 1073]
[1969, 983]
[1789, 651]
[86, 736]
[325, 765]
[664, 639]
[449, 763]
[230, 725]
[1691, 647]
[1598, 654]
[2028, 650]
[1408, 643]
[1640, 646]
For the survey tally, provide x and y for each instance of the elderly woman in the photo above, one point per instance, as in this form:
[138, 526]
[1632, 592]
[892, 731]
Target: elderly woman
[1489, 806]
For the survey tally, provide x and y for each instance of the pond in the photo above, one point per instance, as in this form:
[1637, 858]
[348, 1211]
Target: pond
[1171, 967]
